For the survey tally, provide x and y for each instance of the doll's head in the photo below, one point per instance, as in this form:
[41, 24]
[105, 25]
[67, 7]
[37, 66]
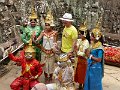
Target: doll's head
[62, 64]
[29, 51]
[33, 18]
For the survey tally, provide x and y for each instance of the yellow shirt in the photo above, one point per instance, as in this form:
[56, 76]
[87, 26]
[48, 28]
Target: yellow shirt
[68, 36]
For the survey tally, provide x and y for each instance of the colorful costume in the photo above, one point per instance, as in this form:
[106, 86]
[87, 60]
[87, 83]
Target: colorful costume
[31, 70]
[82, 46]
[64, 74]
[82, 62]
[94, 72]
[29, 32]
[47, 56]
[49, 41]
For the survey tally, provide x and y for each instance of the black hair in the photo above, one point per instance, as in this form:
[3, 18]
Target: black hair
[101, 40]
[33, 19]
[87, 36]
[82, 32]
[47, 24]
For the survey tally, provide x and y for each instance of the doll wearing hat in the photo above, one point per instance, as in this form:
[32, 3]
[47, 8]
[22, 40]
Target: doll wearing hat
[49, 43]
[95, 61]
[69, 34]
[31, 69]
[64, 73]
[82, 47]
[32, 30]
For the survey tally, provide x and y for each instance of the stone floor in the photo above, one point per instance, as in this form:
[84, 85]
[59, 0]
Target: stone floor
[111, 80]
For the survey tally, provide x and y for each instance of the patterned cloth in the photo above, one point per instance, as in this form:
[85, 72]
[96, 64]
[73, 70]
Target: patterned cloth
[94, 72]
[49, 61]
[48, 58]
[64, 78]
[82, 62]
[25, 37]
[30, 68]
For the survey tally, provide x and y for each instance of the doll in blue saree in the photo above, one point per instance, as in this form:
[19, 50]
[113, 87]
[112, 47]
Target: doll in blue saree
[95, 67]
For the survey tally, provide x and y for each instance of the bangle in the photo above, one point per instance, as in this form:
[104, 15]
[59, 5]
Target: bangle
[90, 57]
[36, 76]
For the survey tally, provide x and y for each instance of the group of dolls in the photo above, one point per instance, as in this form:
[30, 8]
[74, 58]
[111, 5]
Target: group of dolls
[84, 68]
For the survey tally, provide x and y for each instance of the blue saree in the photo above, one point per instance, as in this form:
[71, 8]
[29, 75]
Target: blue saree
[95, 71]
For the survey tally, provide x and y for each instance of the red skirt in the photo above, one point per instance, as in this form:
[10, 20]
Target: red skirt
[81, 70]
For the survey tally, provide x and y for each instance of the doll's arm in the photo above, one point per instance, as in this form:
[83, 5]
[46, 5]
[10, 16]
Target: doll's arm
[39, 69]
[16, 59]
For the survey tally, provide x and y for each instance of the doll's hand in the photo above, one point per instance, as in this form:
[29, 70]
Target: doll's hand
[33, 34]
[70, 54]
[10, 49]
[34, 77]
[34, 40]
[87, 52]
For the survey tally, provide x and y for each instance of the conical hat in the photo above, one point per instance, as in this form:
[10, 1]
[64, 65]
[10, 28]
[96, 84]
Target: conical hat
[49, 18]
[96, 31]
[30, 48]
[83, 26]
[33, 14]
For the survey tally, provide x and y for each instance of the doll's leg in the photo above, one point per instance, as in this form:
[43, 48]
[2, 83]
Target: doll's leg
[33, 83]
[16, 84]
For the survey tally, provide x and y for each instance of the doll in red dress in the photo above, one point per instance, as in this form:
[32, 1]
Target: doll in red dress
[31, 69]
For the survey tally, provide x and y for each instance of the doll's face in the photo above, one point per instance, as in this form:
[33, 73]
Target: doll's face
[66, 23]
[80, 35]
[62, 64]
[47, 26]
[33, 22]
[29, 55]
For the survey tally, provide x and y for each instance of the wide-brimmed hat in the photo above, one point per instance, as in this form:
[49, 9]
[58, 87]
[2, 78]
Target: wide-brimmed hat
[67, 17]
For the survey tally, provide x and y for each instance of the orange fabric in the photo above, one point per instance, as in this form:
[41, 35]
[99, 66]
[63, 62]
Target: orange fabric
[81, 70]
